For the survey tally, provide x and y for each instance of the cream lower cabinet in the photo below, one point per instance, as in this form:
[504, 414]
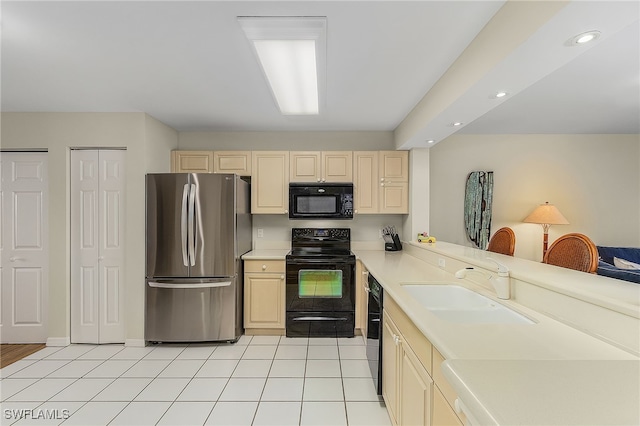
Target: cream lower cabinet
[406, 385]
[413, 385]
[264, 297]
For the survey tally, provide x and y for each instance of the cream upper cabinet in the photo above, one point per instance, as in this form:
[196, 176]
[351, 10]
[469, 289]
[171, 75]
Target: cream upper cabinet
[325, 166]
[264, 296]
[337, 166]
[192, 161]
[365, 182]
[305, 166]
[270, 182]
[394, 182]
[381, 182]
[238, 162]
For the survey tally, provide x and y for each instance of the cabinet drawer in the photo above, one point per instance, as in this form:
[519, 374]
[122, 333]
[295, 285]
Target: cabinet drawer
[264, 266]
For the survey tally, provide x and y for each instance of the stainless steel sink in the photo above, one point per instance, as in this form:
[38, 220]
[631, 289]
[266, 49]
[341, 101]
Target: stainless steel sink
[457, 304]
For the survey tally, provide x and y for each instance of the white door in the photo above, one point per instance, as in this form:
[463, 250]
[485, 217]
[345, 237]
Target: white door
[97, 246]
[24, 247]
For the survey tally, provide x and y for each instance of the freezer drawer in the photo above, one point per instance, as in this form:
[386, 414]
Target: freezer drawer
[193, 310]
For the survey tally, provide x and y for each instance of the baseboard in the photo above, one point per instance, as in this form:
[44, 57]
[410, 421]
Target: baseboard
[58, 341]
[264, 331]
[135, 343]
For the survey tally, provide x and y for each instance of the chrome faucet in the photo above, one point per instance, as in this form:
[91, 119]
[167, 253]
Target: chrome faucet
[501, 282]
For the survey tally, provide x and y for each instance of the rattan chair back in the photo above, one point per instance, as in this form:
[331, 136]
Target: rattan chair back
[573, 251]
[503, 241]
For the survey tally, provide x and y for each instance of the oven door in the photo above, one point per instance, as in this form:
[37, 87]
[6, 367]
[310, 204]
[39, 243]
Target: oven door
[320, 285]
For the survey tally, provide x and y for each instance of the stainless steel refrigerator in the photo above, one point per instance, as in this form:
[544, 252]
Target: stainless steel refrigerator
[198, 226]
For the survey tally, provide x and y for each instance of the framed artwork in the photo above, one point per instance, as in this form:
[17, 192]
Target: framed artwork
[478, 197]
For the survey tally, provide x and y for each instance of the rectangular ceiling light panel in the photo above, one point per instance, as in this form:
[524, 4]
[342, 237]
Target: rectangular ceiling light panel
[291, 52]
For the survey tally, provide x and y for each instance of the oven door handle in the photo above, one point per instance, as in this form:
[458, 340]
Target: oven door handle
[317, 318]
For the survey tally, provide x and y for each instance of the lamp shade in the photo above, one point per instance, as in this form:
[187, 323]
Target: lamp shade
[546, 214]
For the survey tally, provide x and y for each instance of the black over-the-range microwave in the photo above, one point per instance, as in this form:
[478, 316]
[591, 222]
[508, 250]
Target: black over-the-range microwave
[320, 200]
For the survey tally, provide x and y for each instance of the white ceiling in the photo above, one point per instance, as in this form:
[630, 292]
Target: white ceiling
[189, 65]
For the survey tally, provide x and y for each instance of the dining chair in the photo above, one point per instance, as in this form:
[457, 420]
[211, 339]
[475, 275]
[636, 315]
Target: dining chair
[573, 251]
[503, 241]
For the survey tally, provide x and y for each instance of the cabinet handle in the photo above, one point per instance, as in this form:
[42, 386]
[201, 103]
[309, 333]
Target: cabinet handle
[264, 267]
[355, 211]
[282, 277]
[286, 211]
[381, 179]
[382, 184]
[318, 180]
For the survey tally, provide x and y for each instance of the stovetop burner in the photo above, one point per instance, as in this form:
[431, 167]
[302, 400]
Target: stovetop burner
[320, 242]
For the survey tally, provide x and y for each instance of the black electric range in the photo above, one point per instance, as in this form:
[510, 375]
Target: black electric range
[320, 283]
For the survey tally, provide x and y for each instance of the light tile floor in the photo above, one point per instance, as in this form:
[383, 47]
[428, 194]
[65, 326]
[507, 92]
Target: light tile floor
[260, 380]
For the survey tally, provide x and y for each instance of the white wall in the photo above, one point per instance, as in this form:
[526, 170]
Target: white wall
[365, 229]
[593, 179]
[58, 132]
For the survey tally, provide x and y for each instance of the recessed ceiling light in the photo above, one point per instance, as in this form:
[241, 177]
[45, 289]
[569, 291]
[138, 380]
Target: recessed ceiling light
[457, 124]
[501, 94]
[291, 52]
[583, 38]
[431, 141]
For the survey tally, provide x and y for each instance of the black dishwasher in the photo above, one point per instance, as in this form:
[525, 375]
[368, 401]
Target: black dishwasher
[374, 331]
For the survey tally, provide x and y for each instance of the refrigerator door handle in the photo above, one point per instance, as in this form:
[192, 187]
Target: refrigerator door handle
[192, 233]
[183, 225]
[188, 286]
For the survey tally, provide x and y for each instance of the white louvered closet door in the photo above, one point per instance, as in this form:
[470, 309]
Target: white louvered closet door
[97, 246]
[24, 255]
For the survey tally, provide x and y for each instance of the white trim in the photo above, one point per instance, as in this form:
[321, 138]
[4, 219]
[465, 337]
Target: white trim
[58, 341]
[135, 343]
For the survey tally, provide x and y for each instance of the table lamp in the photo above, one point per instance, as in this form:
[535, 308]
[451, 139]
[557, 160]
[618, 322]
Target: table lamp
[546, 215]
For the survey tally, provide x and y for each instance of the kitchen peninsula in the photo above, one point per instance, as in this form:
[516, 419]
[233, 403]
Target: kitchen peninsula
[576, 364]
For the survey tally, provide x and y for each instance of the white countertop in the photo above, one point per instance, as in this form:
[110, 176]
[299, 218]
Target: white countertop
[266, 254]
[548, 392]
[476, 352]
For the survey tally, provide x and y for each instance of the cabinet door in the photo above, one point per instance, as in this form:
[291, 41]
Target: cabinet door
[394, 166]
[337, 166]
[365, 182]
[270, 182]
[264, 300]
[192, 161]
[238, 162]
[443, 414]
[305, 166]
[394, 198]
[415, 390]
[390, 364]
